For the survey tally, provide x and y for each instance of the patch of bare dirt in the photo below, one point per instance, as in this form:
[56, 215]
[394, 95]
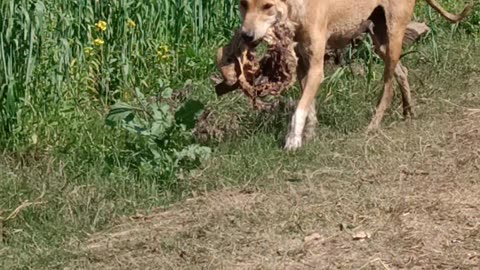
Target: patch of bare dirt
[406, 198]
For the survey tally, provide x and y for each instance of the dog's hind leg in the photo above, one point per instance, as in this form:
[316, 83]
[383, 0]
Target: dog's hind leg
[392, 59]
[401, 74]
[388, 41]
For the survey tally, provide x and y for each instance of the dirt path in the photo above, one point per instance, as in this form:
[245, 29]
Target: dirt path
[410, 194]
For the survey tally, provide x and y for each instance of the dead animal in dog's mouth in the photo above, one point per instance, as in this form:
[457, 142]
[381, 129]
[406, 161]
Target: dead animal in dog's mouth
[241, 68]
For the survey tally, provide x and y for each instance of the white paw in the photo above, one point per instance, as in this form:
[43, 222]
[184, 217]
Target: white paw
[293, 143]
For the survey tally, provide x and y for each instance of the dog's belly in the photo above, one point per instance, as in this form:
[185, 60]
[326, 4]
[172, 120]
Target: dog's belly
[339, 40]
[346, 20]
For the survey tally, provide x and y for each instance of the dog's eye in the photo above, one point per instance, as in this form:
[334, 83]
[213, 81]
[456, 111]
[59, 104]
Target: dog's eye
[244, 4]
[267, 6]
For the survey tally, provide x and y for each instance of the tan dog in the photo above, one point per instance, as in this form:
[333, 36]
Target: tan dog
[325, 24]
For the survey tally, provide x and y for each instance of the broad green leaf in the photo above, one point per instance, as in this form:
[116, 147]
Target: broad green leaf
[167, 92]
[120, 112]
[189, 112]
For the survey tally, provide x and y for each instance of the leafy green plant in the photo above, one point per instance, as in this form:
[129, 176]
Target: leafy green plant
[160, 136]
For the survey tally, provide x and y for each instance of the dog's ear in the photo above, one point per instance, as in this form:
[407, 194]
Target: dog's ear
[282, 10]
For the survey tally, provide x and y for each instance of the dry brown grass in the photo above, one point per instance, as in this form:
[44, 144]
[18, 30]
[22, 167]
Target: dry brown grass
[414, 190]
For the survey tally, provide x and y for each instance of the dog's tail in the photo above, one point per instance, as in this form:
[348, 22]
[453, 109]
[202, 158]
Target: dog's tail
[449, 16]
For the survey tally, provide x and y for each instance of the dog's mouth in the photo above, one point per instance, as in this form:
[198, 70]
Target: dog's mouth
[254, 44]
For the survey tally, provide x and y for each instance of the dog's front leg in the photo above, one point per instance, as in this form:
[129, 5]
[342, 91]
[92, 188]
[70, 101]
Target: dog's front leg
[310, 87]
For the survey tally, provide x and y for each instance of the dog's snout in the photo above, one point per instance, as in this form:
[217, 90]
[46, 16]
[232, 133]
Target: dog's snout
[247, 36]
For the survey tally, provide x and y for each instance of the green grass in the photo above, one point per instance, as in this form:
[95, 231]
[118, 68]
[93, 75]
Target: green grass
[56, 87]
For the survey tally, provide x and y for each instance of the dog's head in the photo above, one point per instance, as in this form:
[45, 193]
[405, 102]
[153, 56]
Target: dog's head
[258, 16]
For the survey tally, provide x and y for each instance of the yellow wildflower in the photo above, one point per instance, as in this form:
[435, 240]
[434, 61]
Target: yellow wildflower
[98, 42]
[126, 95]
[88, 50]
[101, 25]
[163, 52]
[162, 55]
[131, 23]
[164, 49]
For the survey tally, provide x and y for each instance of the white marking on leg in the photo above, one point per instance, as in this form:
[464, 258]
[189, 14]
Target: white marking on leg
[294, 137]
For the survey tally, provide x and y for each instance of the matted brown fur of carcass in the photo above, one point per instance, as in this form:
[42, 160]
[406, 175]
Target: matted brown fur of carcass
[258, 78]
